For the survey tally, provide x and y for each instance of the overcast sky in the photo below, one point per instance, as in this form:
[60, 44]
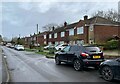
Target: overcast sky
[22, 17]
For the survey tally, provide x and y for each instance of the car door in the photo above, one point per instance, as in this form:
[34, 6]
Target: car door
[118, 70]
[72, 53]
[64, 53]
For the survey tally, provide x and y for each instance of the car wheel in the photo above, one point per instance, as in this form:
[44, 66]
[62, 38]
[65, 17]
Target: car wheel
[57, 61]
[107, 73]
[77, 65]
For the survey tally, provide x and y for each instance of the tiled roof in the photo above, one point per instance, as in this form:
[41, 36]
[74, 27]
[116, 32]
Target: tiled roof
[69, 26]
[100, 20]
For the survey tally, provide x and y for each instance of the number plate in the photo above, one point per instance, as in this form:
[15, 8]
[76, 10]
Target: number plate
[96, 56]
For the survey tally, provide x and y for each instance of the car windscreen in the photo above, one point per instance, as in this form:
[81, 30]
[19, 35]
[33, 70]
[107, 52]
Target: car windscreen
[64, 45]
[92, 49]
[20, 46]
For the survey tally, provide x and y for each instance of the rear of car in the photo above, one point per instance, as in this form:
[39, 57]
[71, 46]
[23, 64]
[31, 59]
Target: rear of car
[92, 56]
[19, 47]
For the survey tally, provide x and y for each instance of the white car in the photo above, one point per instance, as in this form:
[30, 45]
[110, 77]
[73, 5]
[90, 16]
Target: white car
[19, 47]
[61, 46]
[48, 47]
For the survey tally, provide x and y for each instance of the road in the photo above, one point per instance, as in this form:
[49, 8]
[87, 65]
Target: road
[30, 67]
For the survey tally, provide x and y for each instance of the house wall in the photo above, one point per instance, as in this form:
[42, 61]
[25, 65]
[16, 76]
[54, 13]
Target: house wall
[102, 33]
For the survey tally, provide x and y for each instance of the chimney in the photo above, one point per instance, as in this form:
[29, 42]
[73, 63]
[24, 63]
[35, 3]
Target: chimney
[65, 24]
[53, 28]
[85, 17]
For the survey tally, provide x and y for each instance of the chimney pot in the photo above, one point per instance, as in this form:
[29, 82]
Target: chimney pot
[85, 17]
[53, 28]
[65, 24]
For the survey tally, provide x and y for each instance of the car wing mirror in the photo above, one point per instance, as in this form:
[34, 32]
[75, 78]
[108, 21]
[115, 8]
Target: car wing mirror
[62, 51]
[118, 60]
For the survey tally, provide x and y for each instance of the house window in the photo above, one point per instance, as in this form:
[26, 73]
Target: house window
[34, 38]
[56, 43]
[50, 36]
[79, 42]
[49, 43]
[61, 42]
[44, 42]
[80, 30]
[71, 32]
[55, 35]
[44, 36]
[62, 34]
[31, 38]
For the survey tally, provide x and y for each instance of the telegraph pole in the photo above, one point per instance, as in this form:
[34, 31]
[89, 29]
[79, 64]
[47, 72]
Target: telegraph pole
[37, 35]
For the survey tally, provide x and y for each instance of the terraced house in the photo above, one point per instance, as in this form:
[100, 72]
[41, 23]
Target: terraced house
[87, 31]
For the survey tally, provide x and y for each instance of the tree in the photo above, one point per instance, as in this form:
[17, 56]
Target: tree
[111, 14]
[49, 27]
[1, 38]
[14, 40]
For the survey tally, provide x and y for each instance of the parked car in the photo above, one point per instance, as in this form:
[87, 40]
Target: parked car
[110, 69]
[48, 47]
[19, 47]
[37, 45]
[60, 46]
[80, 56]
[12, 46]
[8, 44]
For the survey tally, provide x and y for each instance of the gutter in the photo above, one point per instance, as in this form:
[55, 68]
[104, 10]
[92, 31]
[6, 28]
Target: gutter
[6, 69]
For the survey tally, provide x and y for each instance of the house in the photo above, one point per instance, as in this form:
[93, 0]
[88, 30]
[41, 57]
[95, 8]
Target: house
[88, 31]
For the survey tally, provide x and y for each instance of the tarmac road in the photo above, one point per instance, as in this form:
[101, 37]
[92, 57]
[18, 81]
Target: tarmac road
[30, 67]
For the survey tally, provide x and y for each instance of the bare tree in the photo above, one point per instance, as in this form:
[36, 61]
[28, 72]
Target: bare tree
[109, 14]
[1, 38]
[49, 27]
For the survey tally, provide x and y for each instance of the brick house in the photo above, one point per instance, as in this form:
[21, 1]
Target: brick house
[87, 31]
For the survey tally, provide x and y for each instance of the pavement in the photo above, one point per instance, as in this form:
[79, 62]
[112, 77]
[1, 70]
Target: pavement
[111, 54]
[0, 65]
[4, 74]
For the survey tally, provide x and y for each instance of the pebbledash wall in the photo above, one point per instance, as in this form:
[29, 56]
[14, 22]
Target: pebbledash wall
[87, 31]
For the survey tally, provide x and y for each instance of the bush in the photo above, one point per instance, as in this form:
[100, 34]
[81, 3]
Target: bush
[40, 49]
[110, 45]
[52, 50]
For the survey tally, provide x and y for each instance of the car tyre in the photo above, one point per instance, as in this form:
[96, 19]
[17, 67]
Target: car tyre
[77, 65]
[57, 61]
[107, 73]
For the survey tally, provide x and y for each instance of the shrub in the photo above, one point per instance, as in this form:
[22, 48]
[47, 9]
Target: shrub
[112, 44]
[52, 50]
[40, 49]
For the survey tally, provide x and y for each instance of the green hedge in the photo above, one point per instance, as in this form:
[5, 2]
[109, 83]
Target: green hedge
[112, 44]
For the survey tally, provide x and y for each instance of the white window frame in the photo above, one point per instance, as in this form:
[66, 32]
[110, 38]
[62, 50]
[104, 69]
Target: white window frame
[34, 38]
[80, 30]
[61, 42]
[45, 42]
[49, 43]
[55, 35]
[44, 36]
[71, 32]
[62, 34]
[50, 35]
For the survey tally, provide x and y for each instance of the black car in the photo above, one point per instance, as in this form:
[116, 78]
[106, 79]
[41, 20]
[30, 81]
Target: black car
[80, 56]
[110, 69]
